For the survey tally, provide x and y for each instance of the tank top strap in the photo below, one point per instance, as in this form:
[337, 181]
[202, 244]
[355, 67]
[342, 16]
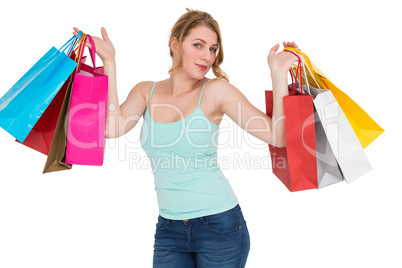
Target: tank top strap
[202, 90]
[150, 94]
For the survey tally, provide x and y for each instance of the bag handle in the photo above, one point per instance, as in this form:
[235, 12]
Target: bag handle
[299, 67]
[71, 49]
[293, 76]
[311, 74]
[92, 51]
[70, 44]
[310, 65]
[78, 57]
[305, 65]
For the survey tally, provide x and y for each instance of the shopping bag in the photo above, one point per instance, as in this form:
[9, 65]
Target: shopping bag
[295, 165]
[22, 106]
[344, 144]
[87, 114]
[328, 171]
[366, 129]
[41, 135]
[56, 157]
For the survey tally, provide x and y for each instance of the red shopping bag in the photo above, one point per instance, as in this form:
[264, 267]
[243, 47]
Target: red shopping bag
[295, 165]
[41, 135]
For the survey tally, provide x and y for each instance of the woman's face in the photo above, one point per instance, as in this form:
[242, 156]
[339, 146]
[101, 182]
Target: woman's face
[199, 51]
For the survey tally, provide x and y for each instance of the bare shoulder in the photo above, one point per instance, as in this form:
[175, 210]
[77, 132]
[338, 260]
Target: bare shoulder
[216, 83]
[223, 92]
[140, 92]
[143, 87]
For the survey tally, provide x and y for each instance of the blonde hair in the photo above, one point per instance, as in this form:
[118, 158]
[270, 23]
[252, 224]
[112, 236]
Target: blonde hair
[181, 29]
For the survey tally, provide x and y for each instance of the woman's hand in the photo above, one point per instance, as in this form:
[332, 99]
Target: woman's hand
[281, 62]
[104, 48]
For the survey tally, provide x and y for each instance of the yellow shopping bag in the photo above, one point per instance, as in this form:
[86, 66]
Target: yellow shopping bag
[366, 129]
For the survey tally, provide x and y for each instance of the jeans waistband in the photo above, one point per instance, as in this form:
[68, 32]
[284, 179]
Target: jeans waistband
[203, 218]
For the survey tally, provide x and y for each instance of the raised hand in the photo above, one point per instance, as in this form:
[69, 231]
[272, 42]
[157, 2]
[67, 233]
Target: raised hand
[282, 61]
[104, 47]
[290, 44]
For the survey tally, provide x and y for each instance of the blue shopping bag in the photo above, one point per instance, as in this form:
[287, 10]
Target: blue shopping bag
[22, 106]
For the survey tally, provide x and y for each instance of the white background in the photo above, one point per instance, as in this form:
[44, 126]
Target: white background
[105, 216]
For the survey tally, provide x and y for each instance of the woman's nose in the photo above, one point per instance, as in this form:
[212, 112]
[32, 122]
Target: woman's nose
[206, 55]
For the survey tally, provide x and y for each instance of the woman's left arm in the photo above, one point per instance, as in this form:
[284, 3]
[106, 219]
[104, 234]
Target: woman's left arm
[233, 103]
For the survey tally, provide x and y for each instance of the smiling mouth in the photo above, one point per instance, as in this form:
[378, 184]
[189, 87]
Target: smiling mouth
[202, 67]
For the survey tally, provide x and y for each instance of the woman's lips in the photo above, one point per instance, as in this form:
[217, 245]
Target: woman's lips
[202, 67]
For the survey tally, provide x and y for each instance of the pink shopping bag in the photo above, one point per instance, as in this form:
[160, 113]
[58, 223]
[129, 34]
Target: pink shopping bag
[87, 115]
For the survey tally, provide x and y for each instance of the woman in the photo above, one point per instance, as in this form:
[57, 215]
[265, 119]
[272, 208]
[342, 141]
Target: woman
[200, 223]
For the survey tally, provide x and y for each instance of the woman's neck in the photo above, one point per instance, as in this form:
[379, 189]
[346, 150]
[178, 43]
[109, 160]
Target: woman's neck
[179, 83]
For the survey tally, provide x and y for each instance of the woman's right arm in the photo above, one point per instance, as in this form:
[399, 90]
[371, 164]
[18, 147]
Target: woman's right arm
[119, 118]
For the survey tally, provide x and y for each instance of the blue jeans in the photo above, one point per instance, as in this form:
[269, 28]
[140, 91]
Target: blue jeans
[219, 240]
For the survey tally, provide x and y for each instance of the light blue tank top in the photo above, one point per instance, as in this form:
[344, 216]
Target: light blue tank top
[183, 155]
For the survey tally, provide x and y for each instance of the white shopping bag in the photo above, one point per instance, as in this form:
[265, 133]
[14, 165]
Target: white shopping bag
[339, 152]
[328, 171]
[345, 145]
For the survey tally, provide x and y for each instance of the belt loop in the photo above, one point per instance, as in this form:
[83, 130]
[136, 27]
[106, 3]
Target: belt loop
[168, 221]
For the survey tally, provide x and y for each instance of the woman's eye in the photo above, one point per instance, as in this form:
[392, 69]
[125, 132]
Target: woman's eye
[211, 49]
